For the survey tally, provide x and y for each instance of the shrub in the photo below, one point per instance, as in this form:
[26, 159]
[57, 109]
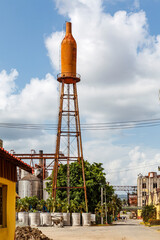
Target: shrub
[148, 212]
[154, 221]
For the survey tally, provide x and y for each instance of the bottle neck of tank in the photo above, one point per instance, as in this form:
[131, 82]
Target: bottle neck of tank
[68, 28]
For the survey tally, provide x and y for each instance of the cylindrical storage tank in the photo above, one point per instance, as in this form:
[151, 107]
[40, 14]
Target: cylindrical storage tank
[34, 218]
[66, 219]
[45, 219]
[24, 173]
[30, 186]
[76, 219]
[25, 188]
[37, 188]
[23, 218]
[86, 219]
[45, 193]
[68, 53]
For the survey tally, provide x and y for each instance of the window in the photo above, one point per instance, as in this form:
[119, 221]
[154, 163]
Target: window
[143, 185]
[143, 193]
[3, 206]
[154, 185]
[143, 202]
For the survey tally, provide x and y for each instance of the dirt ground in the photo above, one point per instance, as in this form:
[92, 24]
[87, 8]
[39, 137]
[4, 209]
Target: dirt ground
[129, 230]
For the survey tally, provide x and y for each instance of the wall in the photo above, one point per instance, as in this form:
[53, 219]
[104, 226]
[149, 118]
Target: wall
[8, 232]
[158, 211]
[139, 213]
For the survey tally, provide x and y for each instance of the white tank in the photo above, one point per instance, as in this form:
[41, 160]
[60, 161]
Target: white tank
[66, 219]
[23, 218]
[86, 219]
[24, 173]
[76, 219]
[34, 219]
[30, 186]
[45, 219]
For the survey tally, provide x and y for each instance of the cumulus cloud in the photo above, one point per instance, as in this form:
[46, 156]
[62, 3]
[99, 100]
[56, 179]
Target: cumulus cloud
[35, 103]
[119, 63]
[117, 58]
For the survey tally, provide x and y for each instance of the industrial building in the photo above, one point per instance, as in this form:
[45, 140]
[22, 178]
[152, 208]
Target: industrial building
[146, 185]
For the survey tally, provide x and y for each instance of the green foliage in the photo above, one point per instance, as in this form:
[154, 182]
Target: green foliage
[95, 179]
[22, 205]
[50, 204]
[154, 221]
[148, 212]
[40, 205]
[30, 204]
[113, 204]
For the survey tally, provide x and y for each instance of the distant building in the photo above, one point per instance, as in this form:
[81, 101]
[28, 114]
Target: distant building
[132, 199]
[148, 191]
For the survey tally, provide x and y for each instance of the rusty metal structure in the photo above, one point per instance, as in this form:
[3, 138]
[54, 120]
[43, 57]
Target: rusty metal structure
[41, 160]
[69, 140]
[125, 188]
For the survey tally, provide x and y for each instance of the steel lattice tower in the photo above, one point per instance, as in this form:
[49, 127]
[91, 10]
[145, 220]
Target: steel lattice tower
[69, 141]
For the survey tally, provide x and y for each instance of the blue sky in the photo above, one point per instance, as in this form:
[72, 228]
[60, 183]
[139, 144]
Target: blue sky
[25, 24]
[122, 85]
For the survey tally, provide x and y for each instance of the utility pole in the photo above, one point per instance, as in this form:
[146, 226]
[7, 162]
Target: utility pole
[101, 205]
[105, 203]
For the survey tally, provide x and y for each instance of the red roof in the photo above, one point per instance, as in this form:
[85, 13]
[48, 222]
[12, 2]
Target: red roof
[5, 155]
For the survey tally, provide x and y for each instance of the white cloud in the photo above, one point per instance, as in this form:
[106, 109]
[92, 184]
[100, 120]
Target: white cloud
[119, 63]
[7, 83]
[35, 103]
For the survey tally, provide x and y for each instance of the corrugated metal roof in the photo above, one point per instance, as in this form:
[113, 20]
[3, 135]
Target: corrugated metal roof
[16, 161]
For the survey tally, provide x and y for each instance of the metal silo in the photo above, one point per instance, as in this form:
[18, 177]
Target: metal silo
[30, 186]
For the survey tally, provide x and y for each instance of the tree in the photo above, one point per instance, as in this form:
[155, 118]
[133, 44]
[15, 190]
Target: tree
[148, 212]
[95, 179]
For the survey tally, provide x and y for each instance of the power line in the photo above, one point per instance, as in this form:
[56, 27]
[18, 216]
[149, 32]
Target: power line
[131, 169]
[87, 126]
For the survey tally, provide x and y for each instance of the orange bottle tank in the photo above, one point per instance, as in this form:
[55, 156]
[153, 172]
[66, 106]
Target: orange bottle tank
[68, 53]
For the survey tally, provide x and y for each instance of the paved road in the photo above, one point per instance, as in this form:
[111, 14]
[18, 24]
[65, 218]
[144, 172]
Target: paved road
[129, 230]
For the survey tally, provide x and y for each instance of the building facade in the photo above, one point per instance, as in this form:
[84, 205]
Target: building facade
[8, 178]
[145, 186]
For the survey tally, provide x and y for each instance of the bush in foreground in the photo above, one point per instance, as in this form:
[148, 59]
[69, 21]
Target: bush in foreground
[148, 212]
[154, 221]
